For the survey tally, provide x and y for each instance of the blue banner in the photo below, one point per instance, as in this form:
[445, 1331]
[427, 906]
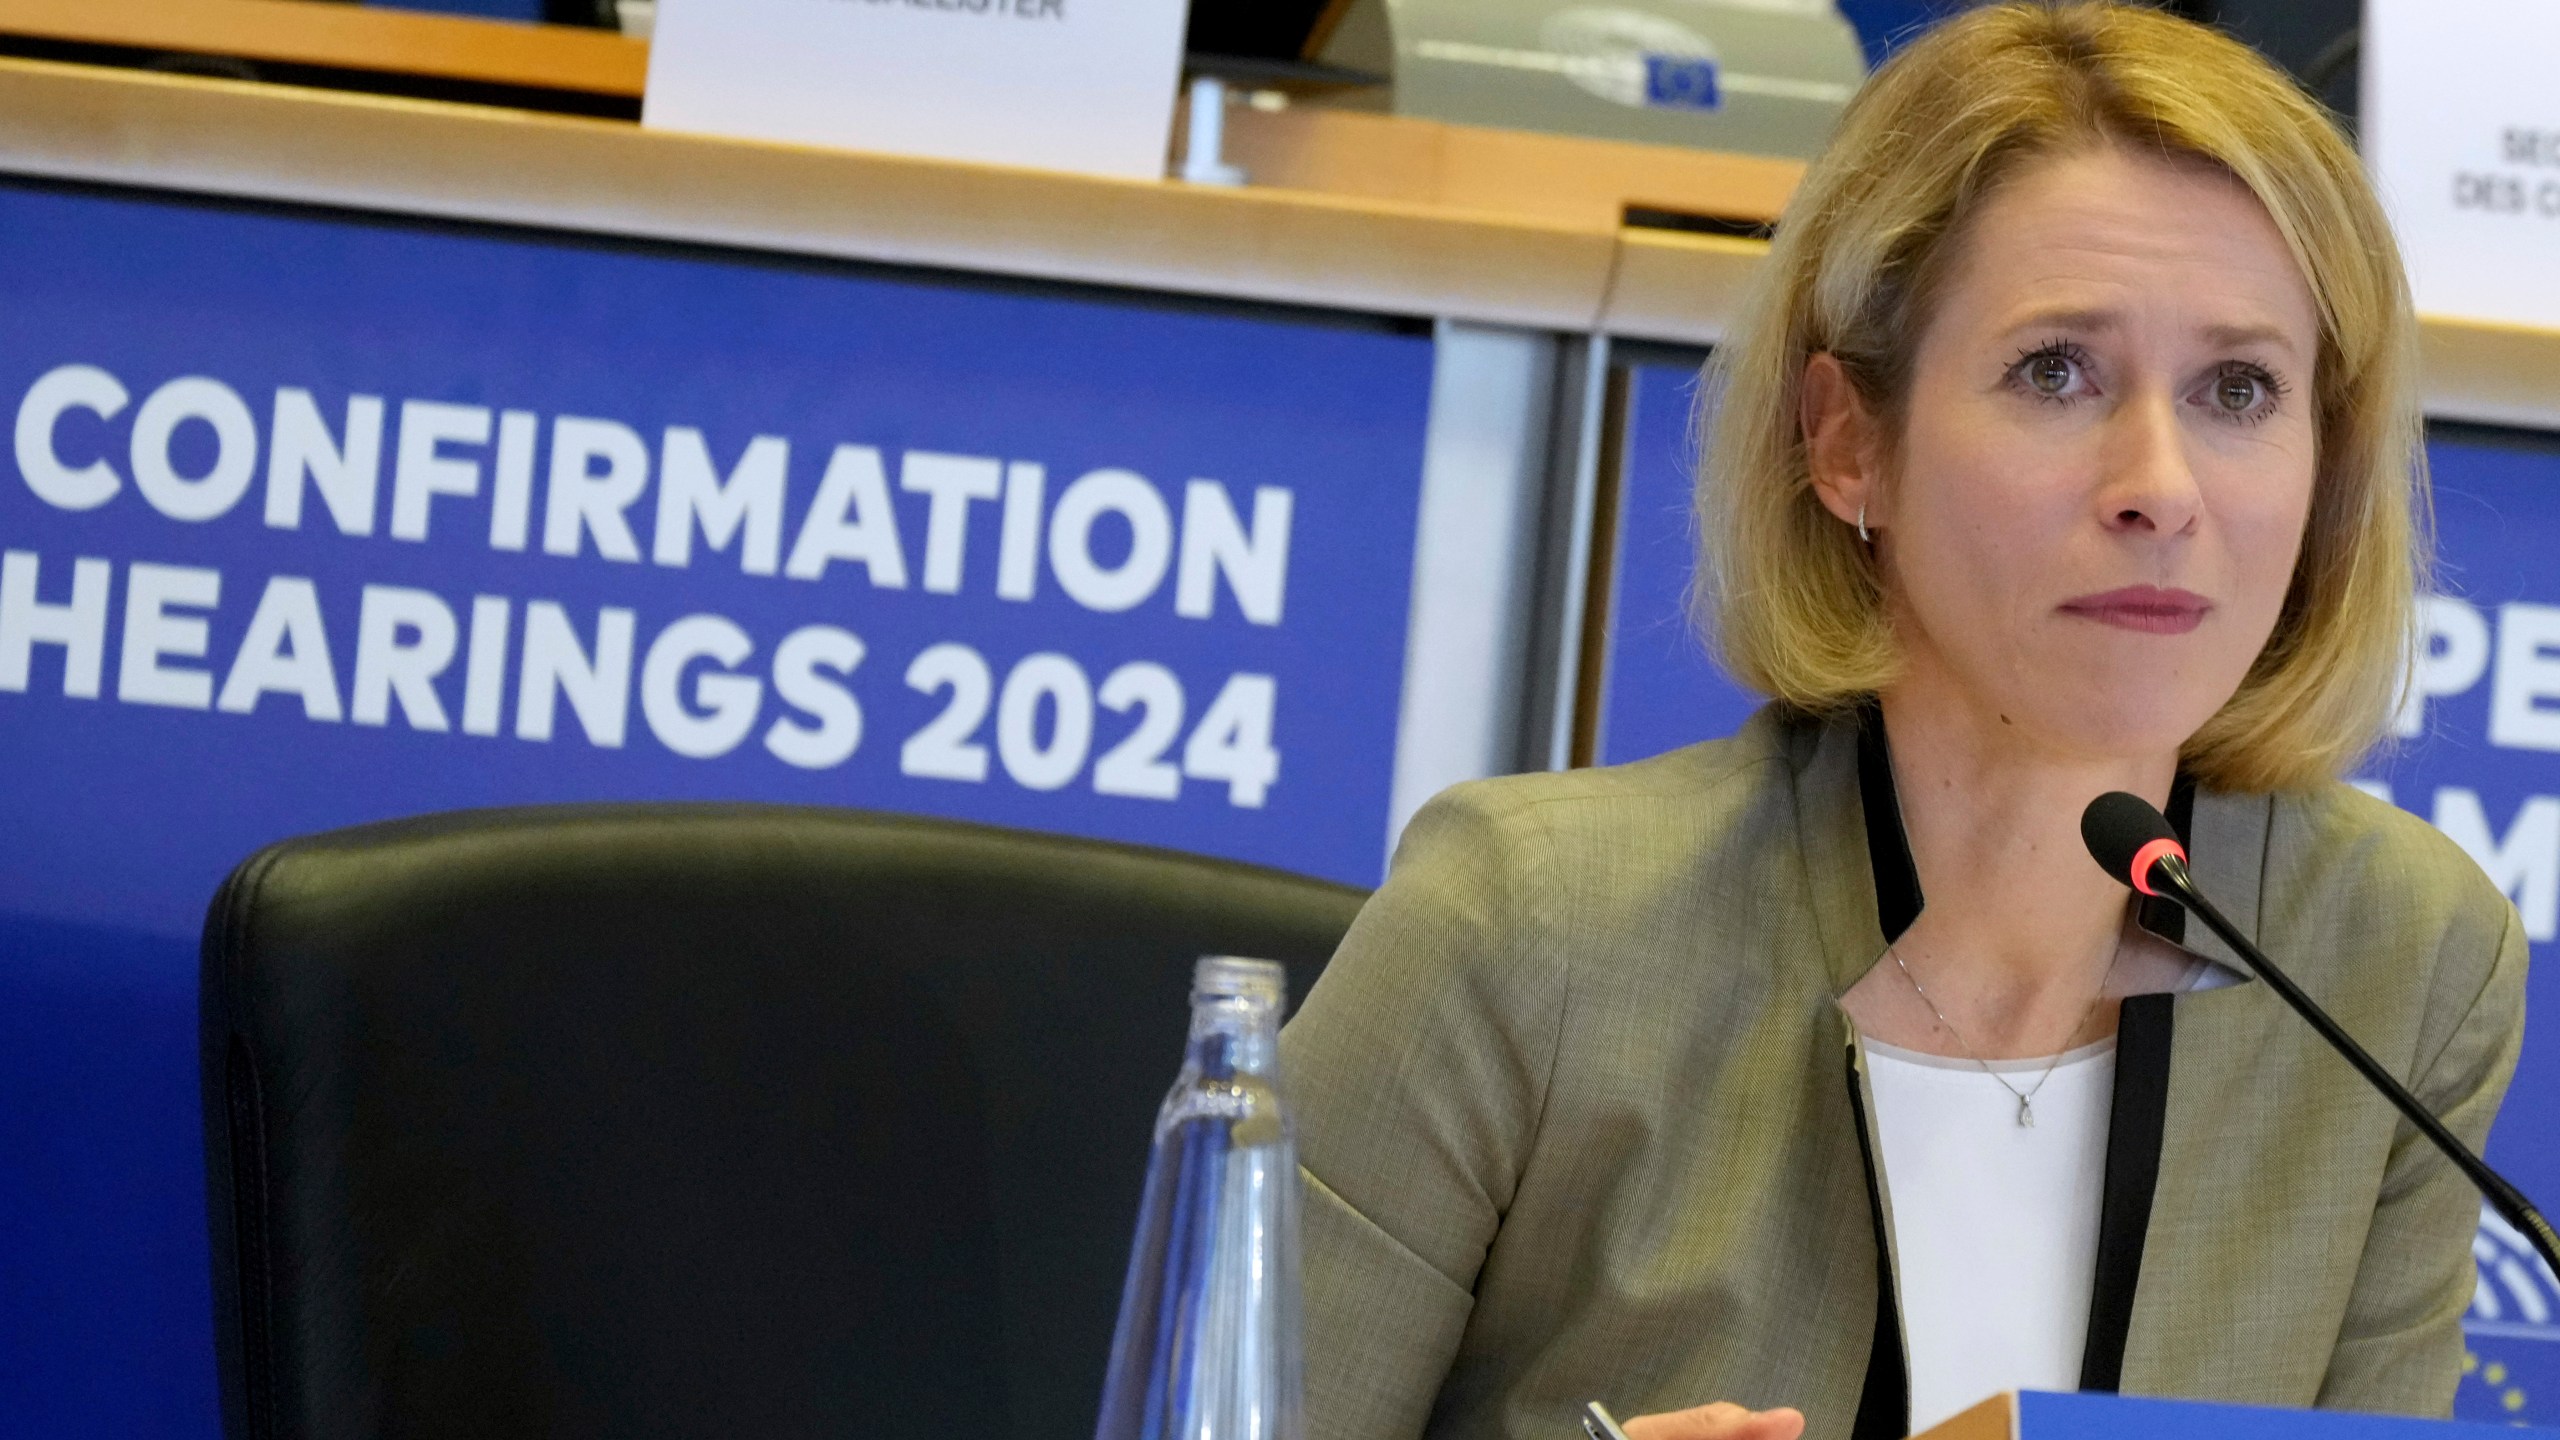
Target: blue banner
[2478, 755]
[1659, 691]
[313, 520]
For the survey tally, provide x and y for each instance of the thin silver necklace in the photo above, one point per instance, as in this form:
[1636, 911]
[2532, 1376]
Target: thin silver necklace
[2026, 1098]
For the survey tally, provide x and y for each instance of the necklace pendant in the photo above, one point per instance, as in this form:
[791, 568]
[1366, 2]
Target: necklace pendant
[2026, 1112]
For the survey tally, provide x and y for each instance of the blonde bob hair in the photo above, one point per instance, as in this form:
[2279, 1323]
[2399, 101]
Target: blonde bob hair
[1790, 598]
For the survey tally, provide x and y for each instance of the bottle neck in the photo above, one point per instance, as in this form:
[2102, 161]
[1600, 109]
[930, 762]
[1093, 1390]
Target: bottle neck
[1232, 1036]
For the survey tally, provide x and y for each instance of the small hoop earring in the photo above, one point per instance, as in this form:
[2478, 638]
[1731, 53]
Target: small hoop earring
[1863, 537]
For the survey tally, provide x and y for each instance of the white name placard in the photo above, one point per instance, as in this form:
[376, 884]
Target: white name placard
[2461, 130]
[1055, 84]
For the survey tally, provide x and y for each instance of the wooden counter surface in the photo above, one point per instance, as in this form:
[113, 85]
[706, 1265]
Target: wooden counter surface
[348, 37]
[1355, 212]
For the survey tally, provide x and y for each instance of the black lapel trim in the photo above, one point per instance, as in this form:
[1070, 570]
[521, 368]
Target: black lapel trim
[1884, 1401]
[2134, 1125]
[1897, 880]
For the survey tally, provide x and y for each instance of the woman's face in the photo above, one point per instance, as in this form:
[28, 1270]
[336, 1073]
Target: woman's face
[2107, 458]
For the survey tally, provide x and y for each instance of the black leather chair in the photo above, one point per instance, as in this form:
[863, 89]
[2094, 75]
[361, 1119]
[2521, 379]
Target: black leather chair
[719, 1121]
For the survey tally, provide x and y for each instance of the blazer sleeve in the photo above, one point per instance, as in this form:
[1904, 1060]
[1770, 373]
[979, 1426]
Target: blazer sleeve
[2400, 1348]
[1417, 1068]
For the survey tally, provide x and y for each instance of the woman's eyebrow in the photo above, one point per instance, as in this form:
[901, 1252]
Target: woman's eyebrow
[2084, 319]
[2099, 320]
[2234, 336]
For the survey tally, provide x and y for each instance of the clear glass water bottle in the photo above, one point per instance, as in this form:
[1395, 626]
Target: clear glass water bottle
[1207, 1346]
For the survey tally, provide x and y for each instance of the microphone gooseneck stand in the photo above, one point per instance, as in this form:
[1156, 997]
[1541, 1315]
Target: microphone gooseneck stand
[2163, 864]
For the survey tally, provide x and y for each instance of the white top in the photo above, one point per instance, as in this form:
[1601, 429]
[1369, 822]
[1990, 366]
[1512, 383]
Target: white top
[1995, 1224]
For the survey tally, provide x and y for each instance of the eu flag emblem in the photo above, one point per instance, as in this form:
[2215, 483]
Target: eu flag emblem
[1681, 82]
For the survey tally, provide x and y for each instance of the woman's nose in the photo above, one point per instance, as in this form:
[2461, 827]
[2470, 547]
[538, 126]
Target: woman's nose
[2148, 484]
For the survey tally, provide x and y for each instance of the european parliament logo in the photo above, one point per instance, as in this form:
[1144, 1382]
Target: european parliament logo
[2511, 1334]
[1634, 58]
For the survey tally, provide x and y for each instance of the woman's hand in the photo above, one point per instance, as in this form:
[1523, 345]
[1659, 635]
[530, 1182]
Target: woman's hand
[1720, 1421]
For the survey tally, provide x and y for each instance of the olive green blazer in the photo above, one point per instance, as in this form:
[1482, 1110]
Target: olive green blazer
[1578, 1116]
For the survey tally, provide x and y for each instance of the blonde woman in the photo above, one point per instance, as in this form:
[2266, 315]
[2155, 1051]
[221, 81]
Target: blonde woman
[1815, 1079]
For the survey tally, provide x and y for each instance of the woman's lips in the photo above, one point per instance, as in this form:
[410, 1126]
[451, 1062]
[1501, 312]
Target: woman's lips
[2146, 608]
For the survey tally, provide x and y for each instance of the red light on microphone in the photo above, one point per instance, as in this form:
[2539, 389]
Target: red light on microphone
[2152, 854]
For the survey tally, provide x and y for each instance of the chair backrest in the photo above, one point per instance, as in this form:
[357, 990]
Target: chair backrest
[695, 1121]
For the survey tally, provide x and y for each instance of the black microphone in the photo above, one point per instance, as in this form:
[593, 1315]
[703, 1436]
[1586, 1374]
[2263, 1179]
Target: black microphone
[2133, 842]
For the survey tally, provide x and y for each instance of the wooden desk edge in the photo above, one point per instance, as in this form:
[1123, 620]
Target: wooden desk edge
[348, 37]
[1993, 1418]
[279, 143]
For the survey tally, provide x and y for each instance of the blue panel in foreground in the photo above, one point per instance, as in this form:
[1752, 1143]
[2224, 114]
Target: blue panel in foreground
[2044, 1416]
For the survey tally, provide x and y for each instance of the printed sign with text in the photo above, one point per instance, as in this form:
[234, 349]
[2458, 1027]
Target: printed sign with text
[1049, 84]
[2463, 140]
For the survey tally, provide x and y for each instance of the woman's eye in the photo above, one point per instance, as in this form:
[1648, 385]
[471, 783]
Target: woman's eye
[2243, 393]
[2237, 394]
[2057, 371]
[2049, 374]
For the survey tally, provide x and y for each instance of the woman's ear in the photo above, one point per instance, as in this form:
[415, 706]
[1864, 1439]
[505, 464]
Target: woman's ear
[1839, 440]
